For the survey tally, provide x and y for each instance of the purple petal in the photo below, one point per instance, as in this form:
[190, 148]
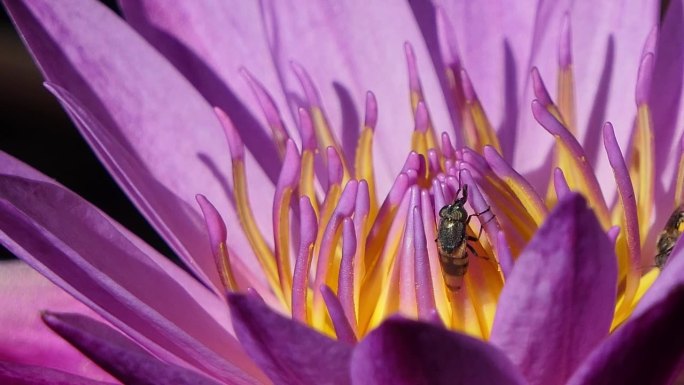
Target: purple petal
[81, 250]
[24, 339]
[646, 350]
[671, 277]
[336, 43]
[118, 355]
[667, 105]
[607, 40]
[18, 374]
[408, 352]
[288, 351]
[148, 112]
[558, 302]
[494, 40]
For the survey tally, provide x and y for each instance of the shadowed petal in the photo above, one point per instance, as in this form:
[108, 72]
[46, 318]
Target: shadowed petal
[148, 110]
[558, 302]
[337, 43]
[77, 247]
[646, 350]
[667, 104]
[403, 352]
[670, 278]
[24, 338]
[607, 39]
[288, 351]
[17, 374]
[494, 40]
[118, 355]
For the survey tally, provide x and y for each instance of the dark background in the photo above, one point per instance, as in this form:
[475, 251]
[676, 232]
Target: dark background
[35, 129]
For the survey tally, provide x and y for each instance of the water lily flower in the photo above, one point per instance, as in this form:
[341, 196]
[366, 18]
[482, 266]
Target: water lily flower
[297, 160]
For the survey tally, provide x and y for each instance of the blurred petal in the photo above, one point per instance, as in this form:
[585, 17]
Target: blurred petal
[287, 351]
[648, 349]
[118, 355]
[558, 302]
[77, 247]
[17, 374]
[409, 352]
[10, 165]
[149, 112]
[24, 339]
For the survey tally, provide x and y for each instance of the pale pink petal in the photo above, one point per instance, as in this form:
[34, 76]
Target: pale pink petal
[24, 339]
[77, 247]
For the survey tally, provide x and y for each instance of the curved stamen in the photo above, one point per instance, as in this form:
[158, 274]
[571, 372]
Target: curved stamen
[345, 286]
[287, 182]
[582, 175]
[484, 133]
[308, 229]
[343, 329]
[218, 235]
[306, 183]
[363, 162]
[244, 208]
[324, 135]
[566, 82]
[560, 184]
[425, 299]
[270, 111]
[629, 266]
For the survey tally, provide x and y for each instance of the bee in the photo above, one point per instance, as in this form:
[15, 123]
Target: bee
[452, 239]
[667, 239]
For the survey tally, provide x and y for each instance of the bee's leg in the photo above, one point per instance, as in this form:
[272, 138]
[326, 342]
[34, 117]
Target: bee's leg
[475, 254]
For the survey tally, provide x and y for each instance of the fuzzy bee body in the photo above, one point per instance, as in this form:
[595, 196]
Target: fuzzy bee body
[452, 240]
[667, 239]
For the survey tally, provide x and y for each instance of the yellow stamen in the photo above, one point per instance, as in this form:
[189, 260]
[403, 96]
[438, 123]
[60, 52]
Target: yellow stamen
[642, 169]
[325, 139]
[256, 239]
[363, 167]
[282, 244]
[225, 271]
[306, 181]
[566, 98]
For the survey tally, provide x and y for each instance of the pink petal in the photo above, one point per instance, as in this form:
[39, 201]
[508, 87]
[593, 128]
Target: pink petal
[403, 352]
[117, 354]
[648, 349]
[149, 113]
[558, 301]
[24, 339]
[337, 43]
[77, 247]
[18, 374]
[288, 351]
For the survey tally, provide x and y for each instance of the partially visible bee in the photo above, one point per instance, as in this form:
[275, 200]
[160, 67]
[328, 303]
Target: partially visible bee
[452, 240]
[667, 239]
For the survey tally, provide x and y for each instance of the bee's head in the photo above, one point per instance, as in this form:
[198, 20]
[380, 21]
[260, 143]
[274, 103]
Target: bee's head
[456, 210]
